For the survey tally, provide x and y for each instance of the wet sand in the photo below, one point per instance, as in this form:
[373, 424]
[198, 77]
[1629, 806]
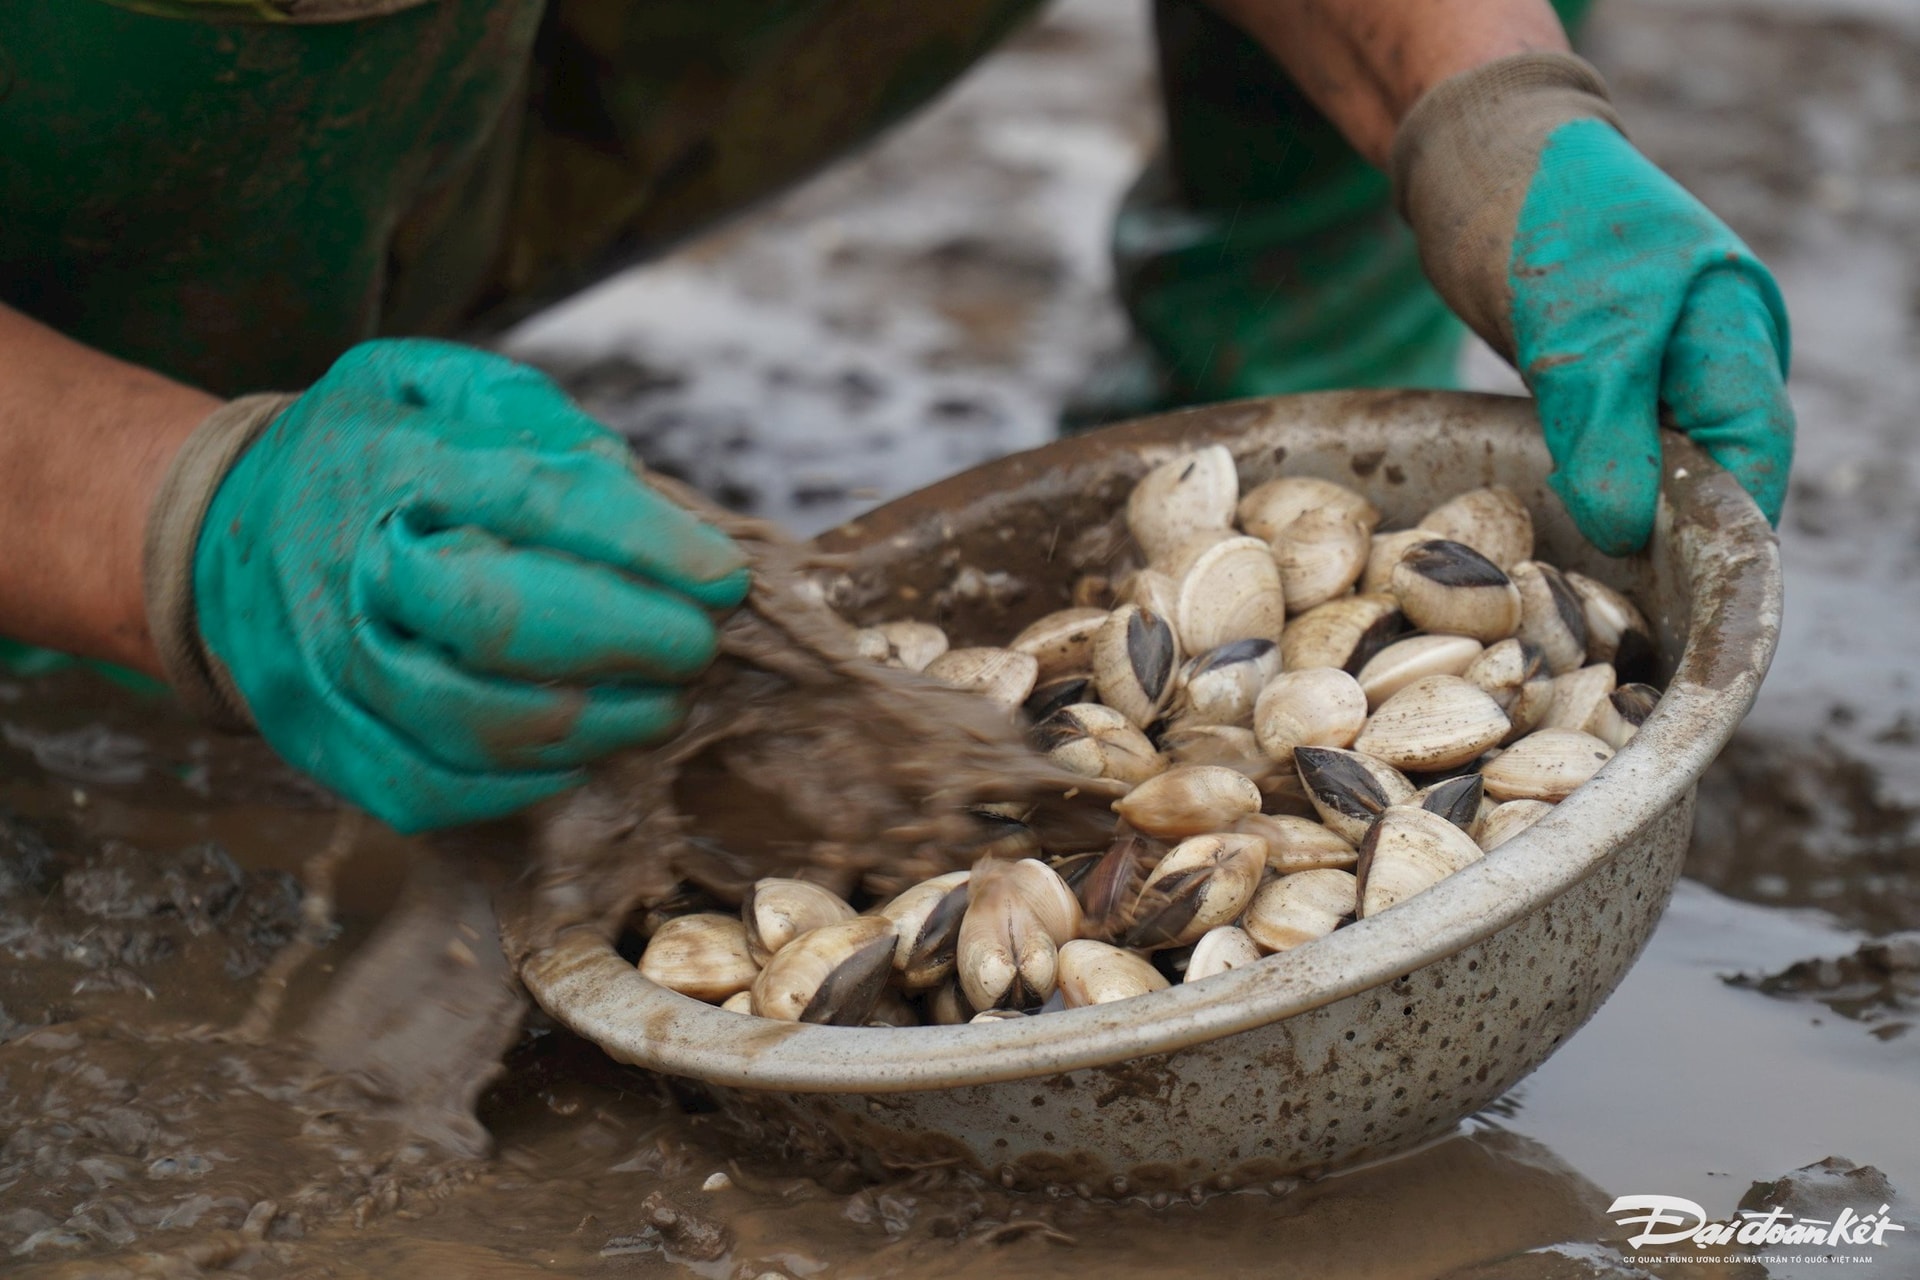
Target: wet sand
[926, 307]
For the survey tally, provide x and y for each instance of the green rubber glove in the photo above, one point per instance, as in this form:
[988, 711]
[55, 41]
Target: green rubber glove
[1625, 304]
[432, 582]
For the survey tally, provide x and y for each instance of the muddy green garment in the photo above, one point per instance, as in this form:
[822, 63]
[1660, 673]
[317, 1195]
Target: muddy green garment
[235, 191]
[1259, 254]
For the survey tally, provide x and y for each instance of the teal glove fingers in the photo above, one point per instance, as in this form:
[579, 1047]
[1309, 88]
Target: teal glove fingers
[1609, 256]
[468, 723]
[601, 511]
[516, 612]
[1722, 385]
[439, 588]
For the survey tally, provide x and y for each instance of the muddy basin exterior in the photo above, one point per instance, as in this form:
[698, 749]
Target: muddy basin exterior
[1367, 1042]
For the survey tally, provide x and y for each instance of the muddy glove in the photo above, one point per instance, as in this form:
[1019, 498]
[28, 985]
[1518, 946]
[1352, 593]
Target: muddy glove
[1622, 301]
[432, 583]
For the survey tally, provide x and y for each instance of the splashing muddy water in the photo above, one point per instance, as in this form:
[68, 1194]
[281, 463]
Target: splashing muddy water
[145, 866]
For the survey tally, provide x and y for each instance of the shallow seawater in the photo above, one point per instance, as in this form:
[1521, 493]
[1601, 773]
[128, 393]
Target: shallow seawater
[135, 1128]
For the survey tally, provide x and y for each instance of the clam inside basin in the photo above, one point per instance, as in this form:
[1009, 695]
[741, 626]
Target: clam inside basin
[1369, 1041]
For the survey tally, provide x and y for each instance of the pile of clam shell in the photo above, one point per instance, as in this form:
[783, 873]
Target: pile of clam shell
[1315, 720]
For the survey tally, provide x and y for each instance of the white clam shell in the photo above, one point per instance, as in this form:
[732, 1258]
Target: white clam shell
[1098, 973]
[1220, 686]
[1318, 707]
[1225, 745]
[1448, 588]
[1297, 844]
[1182, 496]
[776, 910]
[1006, 955]
[1405, 661]
[1613, 622]
[1271, 507]
[1087, 738]
[1437, 722]
[1550, 615]
[908, 645]
[926, 918]
[1231, 592]
[1061, 642]
[1384, 553]
[1202, 882]
[1336, 633]
[1493, 521]
[704, 956]
[1294, 910]
[1135, 656]
[1220, 950]
[1156, 592]
[1509, 819]
[834, 974]
[1407, 852]
[1578, 697]
[1548, 764]
[1349, 790]
[1320, 556]
[1001, 675]
[1189, 800]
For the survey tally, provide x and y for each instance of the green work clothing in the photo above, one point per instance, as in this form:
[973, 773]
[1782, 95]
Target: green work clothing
[1260, 254]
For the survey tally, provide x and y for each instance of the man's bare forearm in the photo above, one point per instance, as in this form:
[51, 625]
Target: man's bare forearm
[1365, 62]
[84, 443]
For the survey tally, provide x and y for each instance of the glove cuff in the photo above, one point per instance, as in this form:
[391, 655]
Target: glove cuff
[199, 679]
[1461, 164]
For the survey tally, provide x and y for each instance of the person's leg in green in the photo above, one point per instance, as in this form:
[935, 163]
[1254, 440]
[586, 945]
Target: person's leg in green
[1259, 254]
